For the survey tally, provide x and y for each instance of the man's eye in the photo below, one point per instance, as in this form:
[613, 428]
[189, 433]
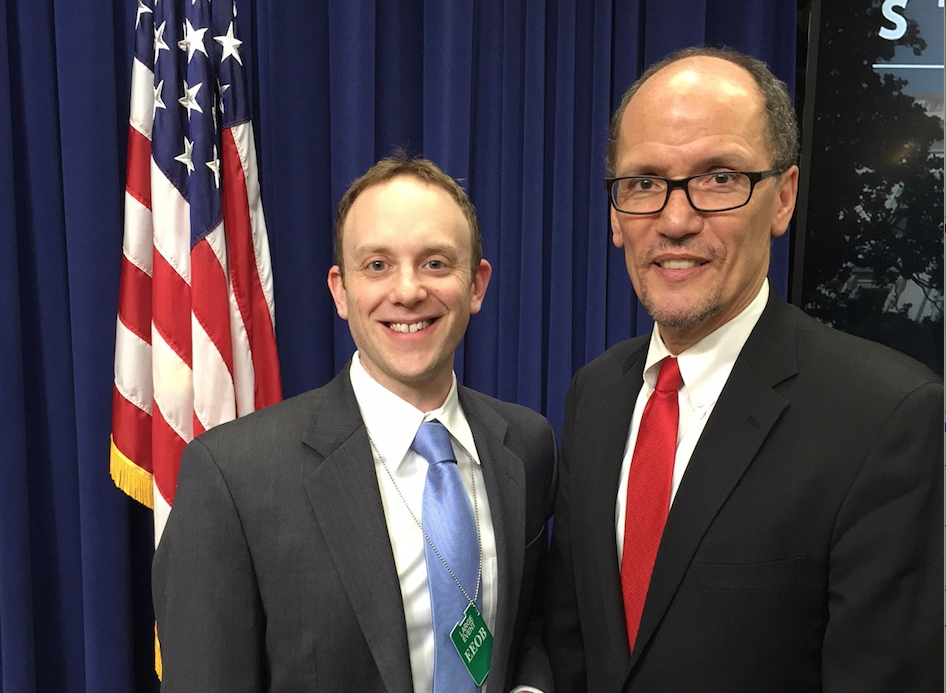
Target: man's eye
[376, 265]
[722, 178]
[436, 264]
[642, 184]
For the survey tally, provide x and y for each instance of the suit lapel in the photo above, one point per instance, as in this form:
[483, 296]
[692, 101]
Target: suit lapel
[747, 409]
[343, 490]
[504, 476]
[604, 451]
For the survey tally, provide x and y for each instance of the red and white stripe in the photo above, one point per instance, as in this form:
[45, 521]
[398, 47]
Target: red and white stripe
[195, 343]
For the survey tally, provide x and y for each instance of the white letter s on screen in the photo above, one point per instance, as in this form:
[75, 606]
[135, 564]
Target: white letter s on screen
[899, 23]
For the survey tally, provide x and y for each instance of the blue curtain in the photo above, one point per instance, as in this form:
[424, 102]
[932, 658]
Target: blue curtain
[513, 97]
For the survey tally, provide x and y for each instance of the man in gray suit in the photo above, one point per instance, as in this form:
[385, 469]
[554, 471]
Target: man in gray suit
[300, 554]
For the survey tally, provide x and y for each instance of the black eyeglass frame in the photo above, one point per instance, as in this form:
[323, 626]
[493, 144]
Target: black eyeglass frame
[672, 183]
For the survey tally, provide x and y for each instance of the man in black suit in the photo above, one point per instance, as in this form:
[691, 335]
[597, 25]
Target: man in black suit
[788, 537]
[299, 554]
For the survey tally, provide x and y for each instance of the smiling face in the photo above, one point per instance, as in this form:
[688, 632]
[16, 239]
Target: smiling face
[408, 290]
[695, 271]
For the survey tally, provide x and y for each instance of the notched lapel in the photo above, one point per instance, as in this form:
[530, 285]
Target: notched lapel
[343, 490]
[745, 413]
[602, 444]
[504, 476]
[604, 449]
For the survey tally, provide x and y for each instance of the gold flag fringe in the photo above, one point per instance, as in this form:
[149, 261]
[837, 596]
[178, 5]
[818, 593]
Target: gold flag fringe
[139, 484]
[131, 478]
[158, 668]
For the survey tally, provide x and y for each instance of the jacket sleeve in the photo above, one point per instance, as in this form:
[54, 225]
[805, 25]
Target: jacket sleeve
[562, 629]
[885, 572]
[532, 671]
[206, 601]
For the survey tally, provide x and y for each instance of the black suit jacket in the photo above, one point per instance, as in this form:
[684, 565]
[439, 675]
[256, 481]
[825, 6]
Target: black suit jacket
[802, 552]
[275, 571]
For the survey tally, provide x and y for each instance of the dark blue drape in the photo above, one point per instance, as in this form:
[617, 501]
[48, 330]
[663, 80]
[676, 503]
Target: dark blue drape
[512, 97]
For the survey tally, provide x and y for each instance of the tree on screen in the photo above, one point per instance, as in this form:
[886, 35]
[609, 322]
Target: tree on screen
[875, 216]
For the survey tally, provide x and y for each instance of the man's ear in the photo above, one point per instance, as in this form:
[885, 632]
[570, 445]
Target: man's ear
[785, 204]
[480, 282]
[616, 238]
[336, 285]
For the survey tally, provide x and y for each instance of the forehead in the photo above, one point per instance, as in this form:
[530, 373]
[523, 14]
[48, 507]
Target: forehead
[402, 208]
[697, 107]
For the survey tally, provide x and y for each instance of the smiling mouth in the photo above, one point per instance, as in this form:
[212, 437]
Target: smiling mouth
[679, 264]
[405, 328]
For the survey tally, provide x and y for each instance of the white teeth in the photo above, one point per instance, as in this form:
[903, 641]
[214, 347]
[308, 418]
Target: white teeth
[412, 327]
[678, 264]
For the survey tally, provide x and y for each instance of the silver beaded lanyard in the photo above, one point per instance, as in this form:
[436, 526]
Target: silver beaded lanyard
[476, 514]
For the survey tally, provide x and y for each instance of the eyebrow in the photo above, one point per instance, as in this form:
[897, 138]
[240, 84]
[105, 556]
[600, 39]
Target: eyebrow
[728, 160]
[734, 160]
[731, 161]
[387, 250]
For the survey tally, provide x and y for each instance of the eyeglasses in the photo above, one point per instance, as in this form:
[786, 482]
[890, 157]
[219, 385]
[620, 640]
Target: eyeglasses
[718, 191]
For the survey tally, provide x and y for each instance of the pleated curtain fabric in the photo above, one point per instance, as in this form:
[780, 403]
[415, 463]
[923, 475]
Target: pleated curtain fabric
[514, 98]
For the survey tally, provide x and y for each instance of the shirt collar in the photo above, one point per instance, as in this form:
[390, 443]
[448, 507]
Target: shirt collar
[705, 366]
[392, 422]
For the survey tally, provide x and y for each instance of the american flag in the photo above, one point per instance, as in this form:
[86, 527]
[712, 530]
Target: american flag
[195, 343]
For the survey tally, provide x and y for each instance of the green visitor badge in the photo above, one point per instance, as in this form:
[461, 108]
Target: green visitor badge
[474, 643]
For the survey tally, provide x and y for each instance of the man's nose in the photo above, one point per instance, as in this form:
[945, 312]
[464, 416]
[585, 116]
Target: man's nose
[678, 218]
[409, 287]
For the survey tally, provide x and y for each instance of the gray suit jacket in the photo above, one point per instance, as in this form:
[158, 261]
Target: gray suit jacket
[275, 571]
[802, 552]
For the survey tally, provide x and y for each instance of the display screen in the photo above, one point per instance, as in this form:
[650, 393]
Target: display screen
[869, 245]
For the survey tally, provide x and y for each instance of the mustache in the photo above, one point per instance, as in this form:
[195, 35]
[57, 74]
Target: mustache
[687, 244]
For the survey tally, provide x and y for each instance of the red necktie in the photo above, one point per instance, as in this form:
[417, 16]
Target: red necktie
[648, 492]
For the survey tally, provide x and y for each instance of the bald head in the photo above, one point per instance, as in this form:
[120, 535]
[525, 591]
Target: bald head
[678, 116]
[699, 72]
[745, 81]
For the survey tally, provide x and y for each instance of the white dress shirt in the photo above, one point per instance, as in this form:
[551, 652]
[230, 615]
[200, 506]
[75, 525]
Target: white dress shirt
[392, 424]
[705, 368]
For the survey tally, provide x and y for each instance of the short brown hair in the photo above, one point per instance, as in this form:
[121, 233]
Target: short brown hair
[781, 128]
[399, 164]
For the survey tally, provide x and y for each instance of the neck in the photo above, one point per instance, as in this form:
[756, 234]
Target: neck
[424, 395]
[423, 400]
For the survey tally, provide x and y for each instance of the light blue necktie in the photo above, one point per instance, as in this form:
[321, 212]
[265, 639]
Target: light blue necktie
[450, 525]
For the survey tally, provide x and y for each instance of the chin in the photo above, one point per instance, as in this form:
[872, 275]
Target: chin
[679, 317]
